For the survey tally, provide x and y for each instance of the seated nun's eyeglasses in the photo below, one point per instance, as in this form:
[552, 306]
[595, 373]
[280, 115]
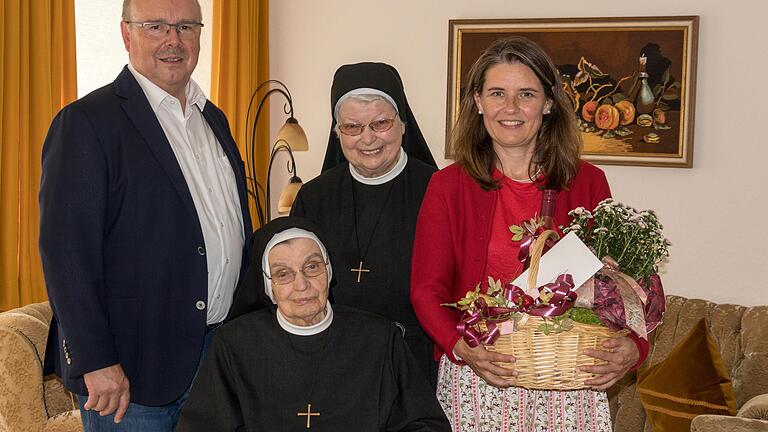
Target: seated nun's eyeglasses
[159, 30]
[355, 129]
[285, 275]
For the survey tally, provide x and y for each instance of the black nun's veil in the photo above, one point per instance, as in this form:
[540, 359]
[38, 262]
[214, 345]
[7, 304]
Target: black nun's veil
[250, 294]
[379, 76]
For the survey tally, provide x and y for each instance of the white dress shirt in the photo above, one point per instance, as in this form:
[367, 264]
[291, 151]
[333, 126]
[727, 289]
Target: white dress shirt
[211, 182]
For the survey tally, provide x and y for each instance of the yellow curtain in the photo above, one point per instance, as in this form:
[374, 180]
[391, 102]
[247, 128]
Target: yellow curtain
[240, 62]
[37, 78]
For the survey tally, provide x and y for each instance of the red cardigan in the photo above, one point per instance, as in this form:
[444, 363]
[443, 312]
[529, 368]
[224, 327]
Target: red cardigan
[451, 245]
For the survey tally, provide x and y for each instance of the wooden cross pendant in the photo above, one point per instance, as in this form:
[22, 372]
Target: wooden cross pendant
[360, 270]
[309, 414]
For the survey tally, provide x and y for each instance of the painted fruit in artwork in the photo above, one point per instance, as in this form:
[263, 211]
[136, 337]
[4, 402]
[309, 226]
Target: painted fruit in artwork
[652, 138]
[660, 116]
[644, 120]
[588, 111]
[627, 111]
[607, 117]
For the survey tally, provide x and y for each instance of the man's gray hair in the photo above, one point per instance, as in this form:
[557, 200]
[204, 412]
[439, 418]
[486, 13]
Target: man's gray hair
[127, 10]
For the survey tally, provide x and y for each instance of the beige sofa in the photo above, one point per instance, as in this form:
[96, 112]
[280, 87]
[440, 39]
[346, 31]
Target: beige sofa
[741, 334]
[29, 401]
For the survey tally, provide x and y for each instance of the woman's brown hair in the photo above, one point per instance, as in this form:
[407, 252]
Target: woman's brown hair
[558, 144]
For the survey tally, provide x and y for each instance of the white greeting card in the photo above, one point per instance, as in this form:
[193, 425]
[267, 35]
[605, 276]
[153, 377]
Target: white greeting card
[569, 255]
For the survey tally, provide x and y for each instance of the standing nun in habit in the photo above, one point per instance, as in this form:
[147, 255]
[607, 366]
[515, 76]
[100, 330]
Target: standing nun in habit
[368, 196]
[302, 364]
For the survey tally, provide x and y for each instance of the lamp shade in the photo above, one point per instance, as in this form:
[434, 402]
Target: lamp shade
[293, 134]
[288, 195]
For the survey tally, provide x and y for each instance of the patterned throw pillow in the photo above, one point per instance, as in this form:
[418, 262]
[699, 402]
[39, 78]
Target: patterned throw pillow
[692, 380]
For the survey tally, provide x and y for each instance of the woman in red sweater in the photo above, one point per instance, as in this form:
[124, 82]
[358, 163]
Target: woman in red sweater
[515, 136]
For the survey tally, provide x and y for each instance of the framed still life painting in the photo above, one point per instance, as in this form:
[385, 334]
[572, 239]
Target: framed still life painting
[632, 80]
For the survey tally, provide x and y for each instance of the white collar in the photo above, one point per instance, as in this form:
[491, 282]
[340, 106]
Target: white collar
[157, 95]
[308, 330]
[394, 172]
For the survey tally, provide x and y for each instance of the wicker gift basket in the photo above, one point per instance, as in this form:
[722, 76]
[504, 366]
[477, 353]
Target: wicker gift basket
[547, 359]
[552, 361]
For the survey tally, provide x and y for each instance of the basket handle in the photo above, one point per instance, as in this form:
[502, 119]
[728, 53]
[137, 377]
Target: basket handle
[537, 249]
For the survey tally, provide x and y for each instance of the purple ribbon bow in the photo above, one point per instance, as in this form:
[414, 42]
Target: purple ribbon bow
[563, 296]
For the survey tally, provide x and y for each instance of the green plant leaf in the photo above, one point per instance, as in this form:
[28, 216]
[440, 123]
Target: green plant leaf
[544, 328]
[517, 232]
[566, 324]
[494, 286]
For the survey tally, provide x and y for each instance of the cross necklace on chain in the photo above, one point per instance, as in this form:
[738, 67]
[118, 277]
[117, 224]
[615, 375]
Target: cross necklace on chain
[360, 270]
[310, 386]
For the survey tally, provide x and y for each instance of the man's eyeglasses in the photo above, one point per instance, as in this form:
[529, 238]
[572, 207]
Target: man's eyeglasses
[285, 276]
[355, 129]
[159, 30]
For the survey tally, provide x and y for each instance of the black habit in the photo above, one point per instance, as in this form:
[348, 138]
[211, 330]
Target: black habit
[375, 224]
[358, 375]
[385, 289]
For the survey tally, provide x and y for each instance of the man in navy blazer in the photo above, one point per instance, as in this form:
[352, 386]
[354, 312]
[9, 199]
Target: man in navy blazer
[143, 225]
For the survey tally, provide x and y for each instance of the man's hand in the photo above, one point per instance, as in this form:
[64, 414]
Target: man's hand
[621, 356]
[108, 391]
[481, 361]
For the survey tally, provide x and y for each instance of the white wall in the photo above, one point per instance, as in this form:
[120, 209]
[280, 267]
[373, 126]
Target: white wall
[712, 213]
[100, 51]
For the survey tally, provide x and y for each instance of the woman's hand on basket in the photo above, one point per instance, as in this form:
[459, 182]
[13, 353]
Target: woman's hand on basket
[622, 354]
[481, 361]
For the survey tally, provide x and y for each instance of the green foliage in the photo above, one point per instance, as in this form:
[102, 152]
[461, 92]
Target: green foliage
[556, 324]
[584, 316]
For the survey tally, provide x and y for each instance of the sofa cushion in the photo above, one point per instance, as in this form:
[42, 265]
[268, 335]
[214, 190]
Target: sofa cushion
[692, 380]
[65, 422]
[21, 383]
[756, 408]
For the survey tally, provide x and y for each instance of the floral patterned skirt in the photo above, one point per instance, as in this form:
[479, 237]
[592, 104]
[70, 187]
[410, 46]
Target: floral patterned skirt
[474, 406]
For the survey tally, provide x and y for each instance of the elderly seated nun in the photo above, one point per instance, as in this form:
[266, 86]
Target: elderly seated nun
[376, 169]
[303, 364]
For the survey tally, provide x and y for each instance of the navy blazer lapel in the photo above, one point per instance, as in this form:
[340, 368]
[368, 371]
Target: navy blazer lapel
[137, 107]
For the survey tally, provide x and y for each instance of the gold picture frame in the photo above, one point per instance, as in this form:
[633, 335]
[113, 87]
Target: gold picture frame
[600, 62]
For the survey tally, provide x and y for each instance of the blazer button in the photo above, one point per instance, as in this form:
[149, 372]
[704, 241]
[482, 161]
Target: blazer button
[200, 305]
[201, 250]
